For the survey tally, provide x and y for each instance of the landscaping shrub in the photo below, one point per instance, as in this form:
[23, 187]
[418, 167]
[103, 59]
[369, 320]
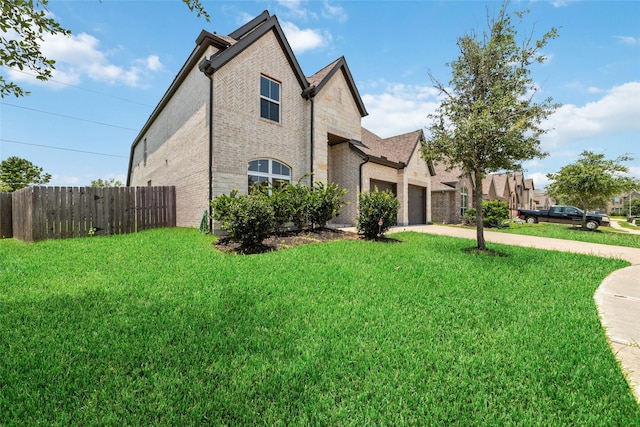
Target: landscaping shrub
[469, 217]
[299, 200]
[247, 218]
[378, 211]
[325, 203]
[494, 213]
[279, 200]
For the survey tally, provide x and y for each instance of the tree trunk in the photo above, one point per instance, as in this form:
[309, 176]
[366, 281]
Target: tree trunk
[477, 204]
[584, 217]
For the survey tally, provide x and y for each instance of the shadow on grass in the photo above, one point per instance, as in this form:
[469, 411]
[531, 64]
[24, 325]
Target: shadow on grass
[484, 252]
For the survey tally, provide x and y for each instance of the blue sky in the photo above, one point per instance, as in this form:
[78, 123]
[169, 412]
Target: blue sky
[123, 55]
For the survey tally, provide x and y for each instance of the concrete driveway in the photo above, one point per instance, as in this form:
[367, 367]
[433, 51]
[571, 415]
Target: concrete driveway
[617, 297]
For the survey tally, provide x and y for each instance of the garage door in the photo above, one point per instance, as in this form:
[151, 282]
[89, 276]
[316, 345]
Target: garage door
[417, 205]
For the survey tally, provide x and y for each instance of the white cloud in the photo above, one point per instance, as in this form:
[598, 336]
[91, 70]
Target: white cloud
[304, 40]
[334, 12]
[540, 180]
[79, 56]
[399, 108]
[153, 63]
[628, 40]
[295, 9]
[617, 110]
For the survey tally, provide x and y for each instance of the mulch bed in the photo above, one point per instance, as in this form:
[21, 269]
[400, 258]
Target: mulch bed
[291, 239]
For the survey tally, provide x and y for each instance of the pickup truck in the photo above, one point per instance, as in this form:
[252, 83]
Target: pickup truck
[563, 215]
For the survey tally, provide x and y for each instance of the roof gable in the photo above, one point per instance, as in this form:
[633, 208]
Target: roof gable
[319, 80]
[244, 37]
[396, 150]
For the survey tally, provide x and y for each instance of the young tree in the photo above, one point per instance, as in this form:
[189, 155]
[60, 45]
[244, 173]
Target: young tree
[111, 182]
[590, 182]
[488, 120]
[23, 26]
[17, 173]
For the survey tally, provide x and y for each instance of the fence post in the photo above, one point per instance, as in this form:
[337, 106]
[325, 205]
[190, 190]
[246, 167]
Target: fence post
[6, 221]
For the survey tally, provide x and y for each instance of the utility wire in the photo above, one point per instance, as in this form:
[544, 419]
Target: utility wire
[61, 148]
[68, 117]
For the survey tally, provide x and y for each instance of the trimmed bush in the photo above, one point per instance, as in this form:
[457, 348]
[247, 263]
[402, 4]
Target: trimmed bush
[494, 213]
[325, 203]
[247, 218]
[299, 200]
[469, 217]
[378, 211]
[279, 200]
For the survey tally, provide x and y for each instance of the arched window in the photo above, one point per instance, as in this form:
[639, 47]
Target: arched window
[263, 171]
[463, 200]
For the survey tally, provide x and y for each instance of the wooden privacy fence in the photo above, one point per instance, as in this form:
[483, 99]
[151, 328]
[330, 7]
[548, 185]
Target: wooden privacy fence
[64, 212]
[6, 229]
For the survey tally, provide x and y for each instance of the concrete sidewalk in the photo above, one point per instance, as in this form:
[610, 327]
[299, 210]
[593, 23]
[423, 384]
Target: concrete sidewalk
[617, 297]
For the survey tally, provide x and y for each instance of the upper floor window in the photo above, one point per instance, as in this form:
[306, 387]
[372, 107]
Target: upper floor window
[269, 99]
[265, 171]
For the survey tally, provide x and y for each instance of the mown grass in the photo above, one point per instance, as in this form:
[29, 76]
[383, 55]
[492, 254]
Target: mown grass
[157, 328]
[628, 226]
[603, 235]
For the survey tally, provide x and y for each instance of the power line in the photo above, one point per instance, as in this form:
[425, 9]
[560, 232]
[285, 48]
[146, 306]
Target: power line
[61, 148]
[52, 80]
[68, 117]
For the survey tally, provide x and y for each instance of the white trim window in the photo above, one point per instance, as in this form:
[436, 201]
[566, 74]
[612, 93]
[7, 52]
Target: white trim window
[265, 171]
[464, 201]
[269, 99]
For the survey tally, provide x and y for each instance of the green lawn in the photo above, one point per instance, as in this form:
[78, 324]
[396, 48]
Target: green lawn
[158, 328]
[603, 235]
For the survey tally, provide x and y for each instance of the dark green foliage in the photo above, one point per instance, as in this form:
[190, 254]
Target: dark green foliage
[110, 182]
[635, 207]
[376, 207]
[494, 212]
[247, 218]
[469, 217]
[325, 203]
[17, 173]
[279, 200]
[299, 202]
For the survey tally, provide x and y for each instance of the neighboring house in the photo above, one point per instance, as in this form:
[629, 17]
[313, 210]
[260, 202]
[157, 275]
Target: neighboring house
[451, 195]
[241, 111]
[541, 200]
[515, 190]
[619, 205]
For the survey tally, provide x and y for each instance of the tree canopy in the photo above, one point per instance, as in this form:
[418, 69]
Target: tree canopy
[110, 182]
[488, 119]
[17, 173]
[590, 182]
[23, 27]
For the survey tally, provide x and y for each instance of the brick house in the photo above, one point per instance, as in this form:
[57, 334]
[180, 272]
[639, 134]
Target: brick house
[515, 190]
[241, 111]
[451, 195]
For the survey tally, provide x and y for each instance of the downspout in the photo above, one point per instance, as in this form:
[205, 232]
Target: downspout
[311, 143]
[208, 70]
[366, 160]
[210, 153]
[309, 93]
